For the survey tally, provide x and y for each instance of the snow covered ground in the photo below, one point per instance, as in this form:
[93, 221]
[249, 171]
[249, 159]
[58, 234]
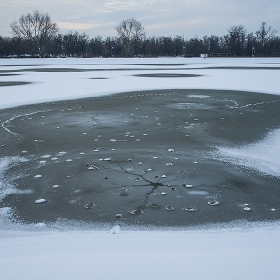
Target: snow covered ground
[236, 253]
[68, 85]
[240, 251]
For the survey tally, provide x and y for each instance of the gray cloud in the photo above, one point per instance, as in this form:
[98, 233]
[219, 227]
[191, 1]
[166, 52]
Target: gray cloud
[167, 17]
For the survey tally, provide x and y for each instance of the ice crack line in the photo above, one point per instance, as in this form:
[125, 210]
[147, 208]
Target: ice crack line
[3, 125]
[253, 104]
[141, 177]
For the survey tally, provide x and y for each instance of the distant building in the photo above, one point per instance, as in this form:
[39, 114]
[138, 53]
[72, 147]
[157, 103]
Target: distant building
[204, 55]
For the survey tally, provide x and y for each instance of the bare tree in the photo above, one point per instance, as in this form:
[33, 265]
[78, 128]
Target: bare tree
[36, 29]
[130, 32]
[237, 39]
[265, 34]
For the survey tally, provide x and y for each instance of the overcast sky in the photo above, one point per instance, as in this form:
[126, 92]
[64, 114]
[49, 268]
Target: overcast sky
[186, 18]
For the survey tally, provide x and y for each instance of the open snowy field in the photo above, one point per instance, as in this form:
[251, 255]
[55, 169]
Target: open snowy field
[229, 249]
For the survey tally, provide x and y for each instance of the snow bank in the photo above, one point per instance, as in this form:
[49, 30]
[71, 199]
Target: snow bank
[251, 253]
[263, 156]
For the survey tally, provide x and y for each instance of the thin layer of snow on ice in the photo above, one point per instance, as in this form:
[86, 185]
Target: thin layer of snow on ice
[48, 86]
[6, 187]
[5, 211]
[263, 156]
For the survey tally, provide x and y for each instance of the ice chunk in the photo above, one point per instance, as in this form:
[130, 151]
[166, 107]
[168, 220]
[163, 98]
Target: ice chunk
[188, 186]
[169, 208]
[46, 156]
[115, 229]
[213, 202]
[41, 200]
[189, 209]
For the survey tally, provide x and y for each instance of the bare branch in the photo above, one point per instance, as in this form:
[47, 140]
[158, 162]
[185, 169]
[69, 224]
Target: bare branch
[36, 29]
[130, 32]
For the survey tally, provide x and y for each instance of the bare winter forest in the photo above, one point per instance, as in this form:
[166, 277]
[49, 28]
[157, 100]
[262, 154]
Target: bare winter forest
[35, 35]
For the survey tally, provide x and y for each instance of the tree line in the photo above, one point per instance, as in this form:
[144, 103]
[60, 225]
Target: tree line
[35, 35]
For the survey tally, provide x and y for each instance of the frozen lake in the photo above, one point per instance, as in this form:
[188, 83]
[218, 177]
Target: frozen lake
[150, 158]
[137, 143]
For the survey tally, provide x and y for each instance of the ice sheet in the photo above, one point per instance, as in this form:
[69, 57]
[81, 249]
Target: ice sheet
[231, 253]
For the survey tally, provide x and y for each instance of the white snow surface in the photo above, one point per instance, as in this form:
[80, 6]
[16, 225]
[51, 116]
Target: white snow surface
[263, 156]
[242, 251]
[48, 86]
[249, 253]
